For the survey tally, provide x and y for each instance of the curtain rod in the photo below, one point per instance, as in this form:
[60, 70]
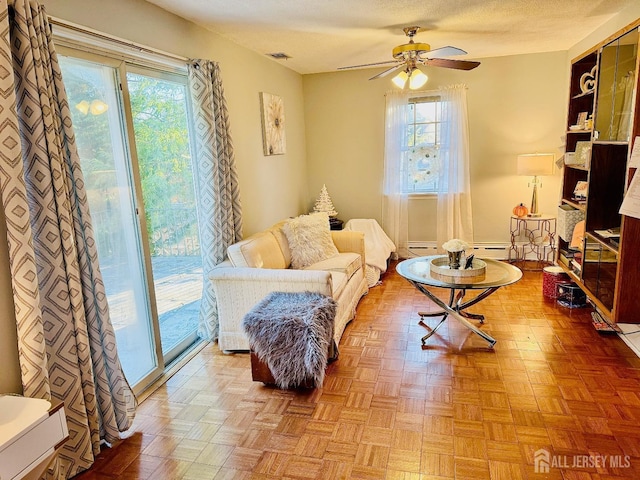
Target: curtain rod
[113, 39]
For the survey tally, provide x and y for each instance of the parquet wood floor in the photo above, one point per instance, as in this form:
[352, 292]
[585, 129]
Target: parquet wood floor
[390, 409]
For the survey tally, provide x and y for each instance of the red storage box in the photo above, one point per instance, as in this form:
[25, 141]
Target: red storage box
[551, 277]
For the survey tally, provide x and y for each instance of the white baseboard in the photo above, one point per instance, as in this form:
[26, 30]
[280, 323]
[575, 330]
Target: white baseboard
[497, 251]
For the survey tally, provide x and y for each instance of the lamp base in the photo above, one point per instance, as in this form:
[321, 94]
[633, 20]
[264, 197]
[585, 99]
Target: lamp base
[534, 215]
[533, 212]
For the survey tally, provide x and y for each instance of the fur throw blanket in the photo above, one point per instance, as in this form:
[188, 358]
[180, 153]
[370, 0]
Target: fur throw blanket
[291, 333]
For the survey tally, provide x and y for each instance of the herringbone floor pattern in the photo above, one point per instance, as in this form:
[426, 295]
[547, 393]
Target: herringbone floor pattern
[390, 409]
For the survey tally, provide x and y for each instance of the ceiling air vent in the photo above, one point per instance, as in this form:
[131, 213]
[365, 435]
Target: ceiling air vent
[279, 56]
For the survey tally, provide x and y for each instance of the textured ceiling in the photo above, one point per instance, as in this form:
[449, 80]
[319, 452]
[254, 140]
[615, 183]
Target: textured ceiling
[322, 35]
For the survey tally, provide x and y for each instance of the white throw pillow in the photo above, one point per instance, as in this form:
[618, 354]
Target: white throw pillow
[309, 239]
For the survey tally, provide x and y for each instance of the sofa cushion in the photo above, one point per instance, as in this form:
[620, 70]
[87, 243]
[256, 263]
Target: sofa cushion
[278, 233]
[347, 263]
[309, 239]
[258, 251]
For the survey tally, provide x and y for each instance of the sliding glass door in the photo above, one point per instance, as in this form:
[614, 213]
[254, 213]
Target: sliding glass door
[159, 114]
[132, 132]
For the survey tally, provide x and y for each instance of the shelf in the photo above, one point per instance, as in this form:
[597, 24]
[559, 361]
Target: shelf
[543, 217]
[583, 94]
[609, 142]
[574, 278]
[590, 295]
[607, 269]
[575, 205]
[605, 242]
[569, 271]
[577, 167]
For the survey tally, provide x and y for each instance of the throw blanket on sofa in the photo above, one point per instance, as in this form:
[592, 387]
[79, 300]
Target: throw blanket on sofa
[378, 247]
[291, 333]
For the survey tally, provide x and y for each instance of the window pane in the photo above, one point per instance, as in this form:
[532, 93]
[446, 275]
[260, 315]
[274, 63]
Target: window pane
[98, 128]
[425, 134]
[423, 168]
[422, 158]
[411, 131]
[159, 109]
[426, 112]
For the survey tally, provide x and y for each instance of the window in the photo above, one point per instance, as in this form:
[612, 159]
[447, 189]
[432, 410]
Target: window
[421, 159]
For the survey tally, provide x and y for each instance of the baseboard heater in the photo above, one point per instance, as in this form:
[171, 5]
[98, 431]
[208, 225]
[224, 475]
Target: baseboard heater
[497, 251]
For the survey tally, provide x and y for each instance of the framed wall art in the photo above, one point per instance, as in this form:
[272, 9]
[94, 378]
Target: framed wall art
[273, 134]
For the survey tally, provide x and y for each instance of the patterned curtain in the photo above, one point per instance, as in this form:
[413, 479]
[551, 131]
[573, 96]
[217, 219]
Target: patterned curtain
[220, 212]
[66, 342]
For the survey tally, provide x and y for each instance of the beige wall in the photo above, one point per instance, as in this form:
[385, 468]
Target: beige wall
[9, 367]
[516, 105]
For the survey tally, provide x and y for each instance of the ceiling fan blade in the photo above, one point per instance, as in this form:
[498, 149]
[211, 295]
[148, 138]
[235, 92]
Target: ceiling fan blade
[388, 71]
[444, 52]
[447, 63]
[368, 64]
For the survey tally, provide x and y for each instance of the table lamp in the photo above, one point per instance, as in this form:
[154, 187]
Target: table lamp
[535, 164]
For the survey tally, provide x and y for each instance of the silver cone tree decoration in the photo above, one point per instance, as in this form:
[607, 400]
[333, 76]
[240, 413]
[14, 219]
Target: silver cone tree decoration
[324, 203]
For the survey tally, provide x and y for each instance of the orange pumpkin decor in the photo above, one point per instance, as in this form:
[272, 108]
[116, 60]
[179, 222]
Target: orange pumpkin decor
[520, 210]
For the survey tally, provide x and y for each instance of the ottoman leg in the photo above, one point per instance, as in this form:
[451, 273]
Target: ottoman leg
[260, 371]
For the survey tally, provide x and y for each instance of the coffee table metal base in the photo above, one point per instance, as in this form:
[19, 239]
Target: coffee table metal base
[455, 308]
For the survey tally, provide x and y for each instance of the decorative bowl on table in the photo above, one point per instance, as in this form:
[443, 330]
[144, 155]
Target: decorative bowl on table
[440, 268]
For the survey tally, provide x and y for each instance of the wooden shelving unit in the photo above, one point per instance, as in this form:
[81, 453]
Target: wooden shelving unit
[607, 269]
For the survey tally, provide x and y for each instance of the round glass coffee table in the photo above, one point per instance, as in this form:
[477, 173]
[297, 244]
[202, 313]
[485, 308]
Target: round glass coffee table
[497, 274]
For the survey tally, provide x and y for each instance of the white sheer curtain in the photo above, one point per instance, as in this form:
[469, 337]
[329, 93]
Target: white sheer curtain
[454, 192]
[394, 215]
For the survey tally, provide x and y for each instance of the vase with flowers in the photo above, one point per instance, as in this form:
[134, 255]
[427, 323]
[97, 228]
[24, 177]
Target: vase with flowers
[455, 249]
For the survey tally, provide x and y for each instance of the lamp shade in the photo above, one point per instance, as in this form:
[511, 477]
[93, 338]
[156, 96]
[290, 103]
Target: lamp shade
[418, 78]
[415, 76]
[400, 79]
[535, 164]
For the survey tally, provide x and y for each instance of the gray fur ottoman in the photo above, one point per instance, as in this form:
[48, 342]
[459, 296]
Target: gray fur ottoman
[292, 334]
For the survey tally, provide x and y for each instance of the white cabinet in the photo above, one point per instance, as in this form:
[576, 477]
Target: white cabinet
[30, 433]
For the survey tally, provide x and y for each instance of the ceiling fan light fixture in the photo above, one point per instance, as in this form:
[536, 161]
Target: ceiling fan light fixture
[400, 79]
[417, 79]
[408, 55]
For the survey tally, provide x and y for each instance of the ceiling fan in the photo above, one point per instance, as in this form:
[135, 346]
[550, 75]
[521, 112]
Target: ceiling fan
[408, 56]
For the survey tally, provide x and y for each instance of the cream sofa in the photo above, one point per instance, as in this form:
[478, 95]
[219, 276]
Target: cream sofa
[260, 264]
